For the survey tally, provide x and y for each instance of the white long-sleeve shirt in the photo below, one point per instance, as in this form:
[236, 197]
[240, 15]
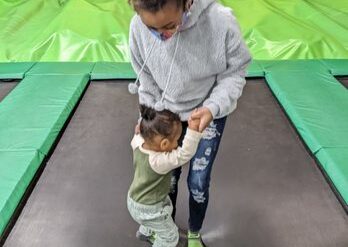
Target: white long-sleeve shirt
[164, 162]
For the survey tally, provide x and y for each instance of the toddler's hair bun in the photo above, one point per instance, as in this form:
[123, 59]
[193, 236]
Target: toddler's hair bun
[147, 113]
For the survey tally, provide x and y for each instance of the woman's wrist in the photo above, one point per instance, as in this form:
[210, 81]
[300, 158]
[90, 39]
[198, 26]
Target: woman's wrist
[213, 108]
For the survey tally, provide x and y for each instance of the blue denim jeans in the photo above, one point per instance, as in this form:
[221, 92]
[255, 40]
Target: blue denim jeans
[198, 179]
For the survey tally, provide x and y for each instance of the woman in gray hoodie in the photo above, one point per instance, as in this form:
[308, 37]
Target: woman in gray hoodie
[189, 54]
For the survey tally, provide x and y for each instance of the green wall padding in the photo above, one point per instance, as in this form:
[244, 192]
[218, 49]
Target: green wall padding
[41, 30]
[294, 29]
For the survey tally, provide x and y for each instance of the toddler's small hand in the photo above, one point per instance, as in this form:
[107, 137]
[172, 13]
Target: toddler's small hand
[194, 123]
[137, 129]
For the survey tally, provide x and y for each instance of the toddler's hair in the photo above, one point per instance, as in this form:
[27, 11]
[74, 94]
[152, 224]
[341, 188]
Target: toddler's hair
[153, 5]
[157, 122]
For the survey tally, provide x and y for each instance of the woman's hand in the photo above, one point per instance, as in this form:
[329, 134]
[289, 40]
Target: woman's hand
[205, 117]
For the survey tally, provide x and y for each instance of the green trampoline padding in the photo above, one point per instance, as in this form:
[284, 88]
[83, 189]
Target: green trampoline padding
[57, 68]
[316, 103]
[337, 67]
[293, 65]
[335, 163]
[17, 170]
[14, 70]
[255, 69]
[32, 115]
[109, 70]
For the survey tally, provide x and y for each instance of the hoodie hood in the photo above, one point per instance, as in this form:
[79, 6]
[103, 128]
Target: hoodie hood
[196, 9]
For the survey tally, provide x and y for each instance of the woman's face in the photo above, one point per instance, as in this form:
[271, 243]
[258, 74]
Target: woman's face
[166, 20]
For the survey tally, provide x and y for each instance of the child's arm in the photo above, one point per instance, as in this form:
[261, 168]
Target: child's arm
[149, 92]
[162, 163]
[229, 86]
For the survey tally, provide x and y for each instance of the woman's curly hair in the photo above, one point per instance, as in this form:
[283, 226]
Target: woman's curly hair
[153, 5]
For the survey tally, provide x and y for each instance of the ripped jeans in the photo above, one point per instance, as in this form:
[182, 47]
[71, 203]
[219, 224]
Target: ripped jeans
[198, 179]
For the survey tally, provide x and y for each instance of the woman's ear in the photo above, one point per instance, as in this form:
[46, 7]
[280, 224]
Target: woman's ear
[164, 145]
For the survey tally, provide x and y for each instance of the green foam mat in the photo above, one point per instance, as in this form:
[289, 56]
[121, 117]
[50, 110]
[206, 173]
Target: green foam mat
[293, 65]
[255, 69]
[59, 68]
[32, 115]
[335, 163]
[14, 70]
[337, 67]
[17, 170]
[317, 104]
[109, 70]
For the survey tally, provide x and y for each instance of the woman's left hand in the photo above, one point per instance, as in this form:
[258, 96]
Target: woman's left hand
[205, 117]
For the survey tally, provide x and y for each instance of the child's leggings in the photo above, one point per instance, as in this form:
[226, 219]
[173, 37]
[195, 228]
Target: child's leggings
[155, 219]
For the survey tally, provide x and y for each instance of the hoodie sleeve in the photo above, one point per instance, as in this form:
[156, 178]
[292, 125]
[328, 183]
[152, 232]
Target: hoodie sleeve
[149, 92]
[230, 83]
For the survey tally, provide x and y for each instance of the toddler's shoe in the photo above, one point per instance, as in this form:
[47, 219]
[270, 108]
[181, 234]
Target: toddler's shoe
[150, 239]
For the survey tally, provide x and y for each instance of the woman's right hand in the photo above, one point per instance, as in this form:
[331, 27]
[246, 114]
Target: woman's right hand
[205, 117]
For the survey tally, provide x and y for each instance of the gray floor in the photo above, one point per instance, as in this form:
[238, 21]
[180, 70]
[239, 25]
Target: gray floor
[5, 88]
[266, 190]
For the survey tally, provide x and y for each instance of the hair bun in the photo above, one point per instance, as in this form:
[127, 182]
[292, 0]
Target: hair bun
[147, 113]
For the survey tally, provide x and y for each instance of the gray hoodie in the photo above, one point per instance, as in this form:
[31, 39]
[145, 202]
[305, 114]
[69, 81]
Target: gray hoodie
[205, 62]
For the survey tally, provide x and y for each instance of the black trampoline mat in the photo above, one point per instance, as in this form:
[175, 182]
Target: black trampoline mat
[6, 88]
[266, 189]
[343, 80]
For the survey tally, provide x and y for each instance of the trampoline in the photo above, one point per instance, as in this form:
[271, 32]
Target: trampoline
[266, 187]
[66, 120]
[343, 80]
[6, 87]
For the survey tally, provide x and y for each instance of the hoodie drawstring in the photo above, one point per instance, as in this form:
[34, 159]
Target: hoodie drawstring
[159, 106]
[133, 87]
